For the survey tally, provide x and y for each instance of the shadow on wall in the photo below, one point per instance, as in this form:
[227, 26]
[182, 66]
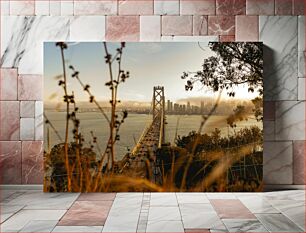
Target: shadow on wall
[270, 84]
[279, 121]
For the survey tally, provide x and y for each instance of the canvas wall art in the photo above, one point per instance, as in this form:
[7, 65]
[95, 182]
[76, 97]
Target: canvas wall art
[157, 117]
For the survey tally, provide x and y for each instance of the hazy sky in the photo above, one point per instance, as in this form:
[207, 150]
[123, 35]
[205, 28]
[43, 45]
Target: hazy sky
[149, 64]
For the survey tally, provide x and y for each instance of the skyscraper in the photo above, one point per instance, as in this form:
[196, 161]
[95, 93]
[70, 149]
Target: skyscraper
[168, 106]
[176, 108]
[202, 107]
[188, 107]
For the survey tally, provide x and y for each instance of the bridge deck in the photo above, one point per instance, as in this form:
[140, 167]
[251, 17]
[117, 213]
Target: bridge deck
[149, 142]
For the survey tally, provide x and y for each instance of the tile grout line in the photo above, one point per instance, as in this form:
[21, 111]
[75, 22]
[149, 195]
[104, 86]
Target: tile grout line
[179, 210]
[21, 193]
[12, 215]
[281, 212]
[143, 216]
[9, 197]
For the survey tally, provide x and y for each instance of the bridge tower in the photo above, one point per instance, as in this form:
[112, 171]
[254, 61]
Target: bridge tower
[158, 101]
[159, 109]
[159, 121]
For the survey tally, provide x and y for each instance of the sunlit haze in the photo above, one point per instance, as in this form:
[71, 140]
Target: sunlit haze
[149, 64]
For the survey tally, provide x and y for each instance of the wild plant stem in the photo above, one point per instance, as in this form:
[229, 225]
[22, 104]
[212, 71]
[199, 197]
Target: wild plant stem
[77, 147]
[113, 105]
[196, 141]
[100, 165]
[95, 102]
[48, 139]
[67, 121]
[53, 128]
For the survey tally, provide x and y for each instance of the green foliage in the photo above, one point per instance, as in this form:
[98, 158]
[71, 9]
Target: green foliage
[199, 166]
[55, 165]
[239, 114]
[214, 141]
[258, 108]
[234, 64]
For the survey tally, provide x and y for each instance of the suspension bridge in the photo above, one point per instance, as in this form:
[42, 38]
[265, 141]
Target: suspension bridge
[143, 160]
[143, 155]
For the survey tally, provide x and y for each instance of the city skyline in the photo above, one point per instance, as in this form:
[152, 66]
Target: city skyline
[192, 106]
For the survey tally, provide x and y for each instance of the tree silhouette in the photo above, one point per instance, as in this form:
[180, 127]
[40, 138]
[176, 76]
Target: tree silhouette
[234, 64]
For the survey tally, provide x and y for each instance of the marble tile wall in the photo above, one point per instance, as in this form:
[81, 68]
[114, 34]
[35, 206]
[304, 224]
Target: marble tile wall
[25, 24]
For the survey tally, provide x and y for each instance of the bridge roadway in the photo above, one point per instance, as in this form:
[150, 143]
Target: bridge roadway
[144, 161]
